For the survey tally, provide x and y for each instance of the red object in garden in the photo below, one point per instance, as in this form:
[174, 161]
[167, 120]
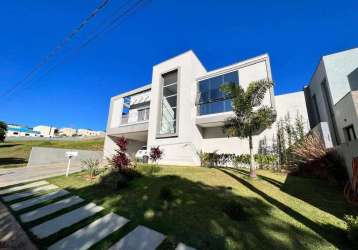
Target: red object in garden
[351, 188]
[155, 154]
[120, 159]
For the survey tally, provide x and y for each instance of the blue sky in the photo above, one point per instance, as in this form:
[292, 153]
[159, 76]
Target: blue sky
[294, 33]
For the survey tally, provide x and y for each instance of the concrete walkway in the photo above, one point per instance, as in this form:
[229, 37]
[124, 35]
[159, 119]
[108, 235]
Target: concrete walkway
[32, 173]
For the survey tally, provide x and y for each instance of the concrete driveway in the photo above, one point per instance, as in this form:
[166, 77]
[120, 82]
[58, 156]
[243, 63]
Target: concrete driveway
[31, 173]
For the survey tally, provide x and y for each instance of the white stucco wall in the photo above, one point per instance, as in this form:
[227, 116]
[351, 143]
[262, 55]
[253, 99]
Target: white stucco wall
[346, 114]
[189, 68]
[182, 148]
[338, 67]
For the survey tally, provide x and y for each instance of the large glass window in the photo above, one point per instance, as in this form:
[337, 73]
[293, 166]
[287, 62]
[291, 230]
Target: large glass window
[143, 114]
[168, 114]
[211, 99]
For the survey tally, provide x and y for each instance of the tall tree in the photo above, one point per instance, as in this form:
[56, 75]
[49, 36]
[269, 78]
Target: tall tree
[251, 117]
[3, 129]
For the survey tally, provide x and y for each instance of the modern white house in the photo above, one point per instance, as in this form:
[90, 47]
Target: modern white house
[183, 110]
[67, 132]
[332, 102]
[15, 130]
[45, 131]
[89, 132]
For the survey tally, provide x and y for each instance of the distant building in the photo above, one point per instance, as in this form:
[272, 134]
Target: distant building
[21, 131]
[89, 132]
[67, 132]
[45, 131]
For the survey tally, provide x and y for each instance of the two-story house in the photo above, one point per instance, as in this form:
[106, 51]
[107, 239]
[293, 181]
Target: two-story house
[183, 109]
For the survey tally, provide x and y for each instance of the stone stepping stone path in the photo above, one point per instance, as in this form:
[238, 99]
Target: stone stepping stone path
[182, 246]
[50, 209]
[91, 234]
[28, 193]
[37, 200]
[22, 187]
[56, 224]
[141, 238]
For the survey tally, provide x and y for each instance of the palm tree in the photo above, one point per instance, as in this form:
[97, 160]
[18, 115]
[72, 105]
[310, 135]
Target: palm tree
[250, 116]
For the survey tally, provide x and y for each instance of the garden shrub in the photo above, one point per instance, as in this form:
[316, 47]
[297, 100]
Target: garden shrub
[114, 180]
[91, 166]
[121, 161]
[155, 154]
[234, 210]
[310, 158]
[352, 228]
[166, 193]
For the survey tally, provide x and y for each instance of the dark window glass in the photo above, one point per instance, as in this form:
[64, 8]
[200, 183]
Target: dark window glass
[170, 90]
[211, 98]
[169, 103]
[204, 91]
[232, 77]
[170, 78]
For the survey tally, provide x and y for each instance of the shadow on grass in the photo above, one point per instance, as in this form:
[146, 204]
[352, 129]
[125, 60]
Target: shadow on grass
[11, 160]
[195, 215]
[8, 145]
[320, 194]
[332, 234]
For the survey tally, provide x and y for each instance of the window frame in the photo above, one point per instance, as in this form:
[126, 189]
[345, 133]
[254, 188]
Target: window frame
[160, 107]
[347, 134]
[222, 99]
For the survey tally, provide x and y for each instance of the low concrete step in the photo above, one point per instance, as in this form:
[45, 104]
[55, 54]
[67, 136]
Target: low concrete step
[22, 187]
[141, 238]
[91, 234]
[37, 200]
[56, 224]
[24, 194]
[50, 209]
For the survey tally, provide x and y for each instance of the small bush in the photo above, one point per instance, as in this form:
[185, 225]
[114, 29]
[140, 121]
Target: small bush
[234, 210]
[352, 228]
[155, 154]
[91, 166]
[114, 180]
[166, 194]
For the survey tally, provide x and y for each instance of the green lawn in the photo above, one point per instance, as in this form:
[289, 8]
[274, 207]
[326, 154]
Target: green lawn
[16, 153]
[279, 211]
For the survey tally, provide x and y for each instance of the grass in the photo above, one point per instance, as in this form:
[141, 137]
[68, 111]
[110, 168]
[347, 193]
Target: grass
[16, 153]
[278, 211]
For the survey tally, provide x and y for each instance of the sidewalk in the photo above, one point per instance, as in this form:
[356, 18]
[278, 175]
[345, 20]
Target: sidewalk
[32, 173]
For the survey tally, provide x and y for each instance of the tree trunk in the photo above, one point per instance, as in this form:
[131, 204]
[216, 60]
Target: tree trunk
[252, 160]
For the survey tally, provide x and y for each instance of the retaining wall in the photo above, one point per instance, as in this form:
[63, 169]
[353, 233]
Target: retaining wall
[42, 155]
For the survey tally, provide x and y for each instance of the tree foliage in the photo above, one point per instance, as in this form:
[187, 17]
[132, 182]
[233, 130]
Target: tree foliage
[251, 117]
[3, 129]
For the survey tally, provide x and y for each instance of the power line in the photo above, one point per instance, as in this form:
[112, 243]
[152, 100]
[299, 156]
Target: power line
[112, 24]
[58, 48]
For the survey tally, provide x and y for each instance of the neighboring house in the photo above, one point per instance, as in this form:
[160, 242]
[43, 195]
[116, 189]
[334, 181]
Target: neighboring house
[67, 132]
[45, 131]
[21, 131]
[183, 110]
[89, 132]
[332, 101]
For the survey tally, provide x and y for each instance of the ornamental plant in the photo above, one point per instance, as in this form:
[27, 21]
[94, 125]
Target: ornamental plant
[250, 116]
[120, 159]
[155, 154]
